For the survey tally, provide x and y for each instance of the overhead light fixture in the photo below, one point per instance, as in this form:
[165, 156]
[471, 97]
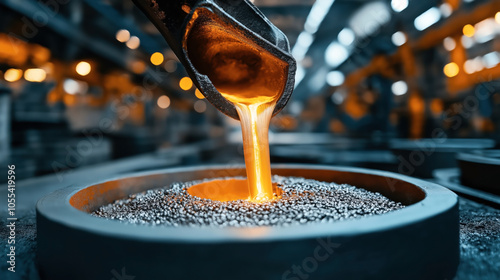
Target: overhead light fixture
[427, 18]
[446, 9]
[398, 38]
[469, 66]
[497, 17]
[335, 54]
[304, 41]
[346, 36]
[369, 18]
[399, 88]
[467, 42]
[318, 12]
[486, 30]
[399, 5]
[72, 87]
[339, 96]
[491, 59]
[335, 78]
[300, 73]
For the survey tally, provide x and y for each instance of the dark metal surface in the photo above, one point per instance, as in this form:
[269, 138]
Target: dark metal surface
[450, 178]
[426, 155]
[481, 170]
[171, 20]
[428, 228]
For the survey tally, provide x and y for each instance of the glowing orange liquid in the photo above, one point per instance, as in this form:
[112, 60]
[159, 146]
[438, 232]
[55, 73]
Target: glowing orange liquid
[246, 75]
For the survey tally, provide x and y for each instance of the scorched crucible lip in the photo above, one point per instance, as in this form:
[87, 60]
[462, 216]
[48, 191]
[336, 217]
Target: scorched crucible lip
[419, 241]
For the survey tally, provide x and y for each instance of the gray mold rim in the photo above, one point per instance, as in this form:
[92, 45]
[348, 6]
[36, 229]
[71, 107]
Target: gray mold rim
[56, 207]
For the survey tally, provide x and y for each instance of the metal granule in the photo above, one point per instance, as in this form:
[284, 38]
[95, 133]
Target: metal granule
[302, 201]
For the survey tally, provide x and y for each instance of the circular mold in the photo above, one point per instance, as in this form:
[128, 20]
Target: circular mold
[420, 241]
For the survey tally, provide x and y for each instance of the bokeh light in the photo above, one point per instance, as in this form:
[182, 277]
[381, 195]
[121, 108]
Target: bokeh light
[122, 35]
[133, 43]
[186, 83]
[156, 58]
[35, 75]
[469, 30]
[199, 94]
[163, 102]
[83, 68]
[451, 69]
[200, 106]
[12, 75]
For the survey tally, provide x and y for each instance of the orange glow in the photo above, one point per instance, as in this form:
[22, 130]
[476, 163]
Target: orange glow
[185, 83]
[451, 69]
[83, 68]
[199, 94]
[186, 9]
[436, 106]
[12, 75]
[497, 17]
[225, 190]
[163, 102]
[156, 58]
[138, 67]
[249, 77]
[40, 55]
[469, 30]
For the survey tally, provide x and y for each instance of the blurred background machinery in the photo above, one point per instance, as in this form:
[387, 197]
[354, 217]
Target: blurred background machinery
[88, 81]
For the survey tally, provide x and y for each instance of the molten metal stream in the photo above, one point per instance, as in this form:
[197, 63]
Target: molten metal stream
[248, 76]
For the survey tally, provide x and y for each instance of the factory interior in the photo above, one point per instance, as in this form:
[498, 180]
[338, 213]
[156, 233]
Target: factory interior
[90, 91]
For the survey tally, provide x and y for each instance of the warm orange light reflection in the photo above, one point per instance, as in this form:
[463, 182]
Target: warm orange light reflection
[226, 190]
[451, 69]
[185, 83]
